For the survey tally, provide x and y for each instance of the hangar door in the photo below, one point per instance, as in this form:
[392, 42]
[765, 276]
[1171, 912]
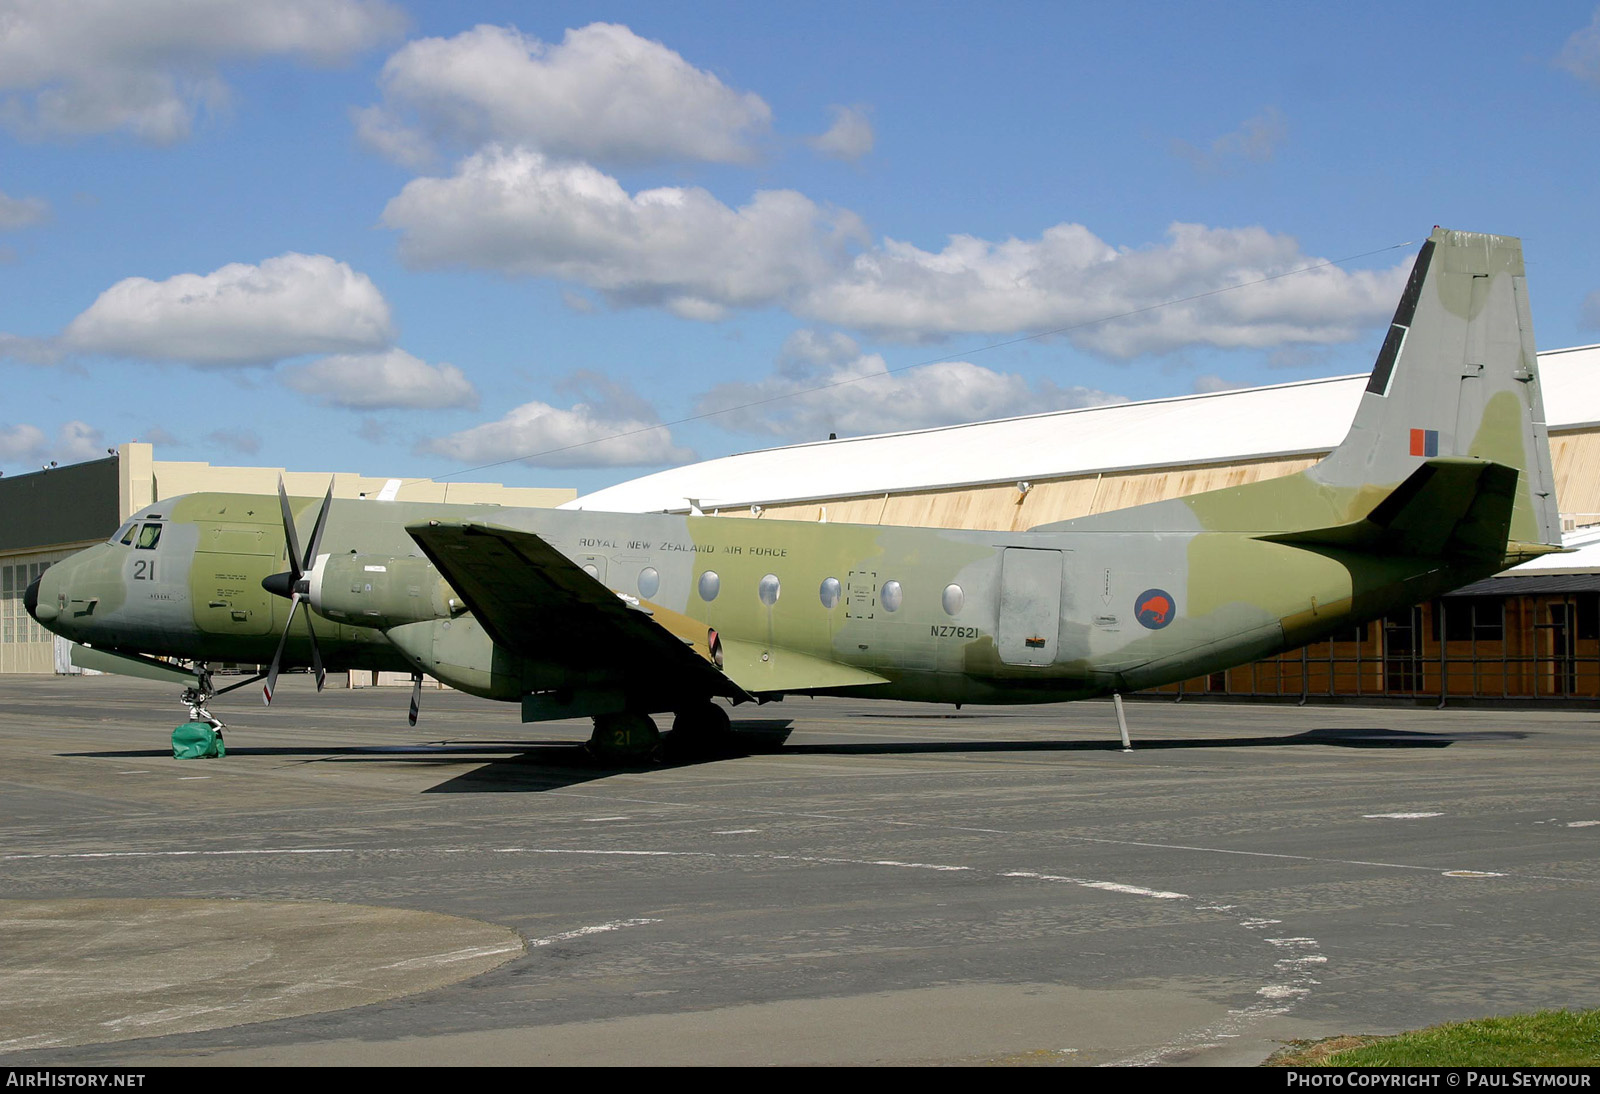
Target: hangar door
[1030, 606]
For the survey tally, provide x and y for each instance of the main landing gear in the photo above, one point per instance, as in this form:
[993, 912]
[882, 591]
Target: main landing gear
[632, 737]
[629, 737]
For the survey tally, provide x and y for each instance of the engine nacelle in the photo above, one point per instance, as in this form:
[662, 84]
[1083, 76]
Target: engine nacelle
[380, 590]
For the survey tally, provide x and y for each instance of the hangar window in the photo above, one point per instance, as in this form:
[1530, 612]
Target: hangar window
[710, 585]
[649, 581]
[1477, 618]
[830, 592]
[953, 599]
[767, 589]
[891, 595]
[149, 536]
[124, 534]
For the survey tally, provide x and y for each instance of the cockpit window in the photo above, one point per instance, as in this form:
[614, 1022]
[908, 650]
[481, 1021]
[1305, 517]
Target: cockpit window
[149, 536]
[124, 534]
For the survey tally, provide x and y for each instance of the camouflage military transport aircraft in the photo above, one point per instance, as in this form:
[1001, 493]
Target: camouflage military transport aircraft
[1444, 478]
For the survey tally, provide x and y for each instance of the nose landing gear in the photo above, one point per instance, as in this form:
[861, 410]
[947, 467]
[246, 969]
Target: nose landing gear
[200, 738]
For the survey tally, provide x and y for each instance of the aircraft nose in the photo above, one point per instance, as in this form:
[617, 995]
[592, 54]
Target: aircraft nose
[30, 601]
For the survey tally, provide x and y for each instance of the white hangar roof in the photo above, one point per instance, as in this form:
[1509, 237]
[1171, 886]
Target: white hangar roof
[1308, 416]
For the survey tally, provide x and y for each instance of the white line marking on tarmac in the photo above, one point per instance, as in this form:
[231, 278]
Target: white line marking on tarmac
[598, 928]
[1582, 824]
[1108, 886]
[1399, 816]
[846, 819]
[735, 831]
[453, 956]
[174, 854]
[597, 820]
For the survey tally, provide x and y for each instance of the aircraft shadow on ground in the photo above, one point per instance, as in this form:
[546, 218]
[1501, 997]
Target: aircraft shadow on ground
[509, 767]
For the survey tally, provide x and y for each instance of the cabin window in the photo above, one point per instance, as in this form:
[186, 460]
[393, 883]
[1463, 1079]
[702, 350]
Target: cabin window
[649, 581]
[592, 570]
[891, 595]
[953, 599]
[149, 536]
[767, 589]
[710, 585]
[124, 534]
[830, 592]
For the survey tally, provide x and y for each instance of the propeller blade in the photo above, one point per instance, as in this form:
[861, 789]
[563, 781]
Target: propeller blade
[416, 696]
[289, 536]
[316, 655]
[277, 658]
[316, 531]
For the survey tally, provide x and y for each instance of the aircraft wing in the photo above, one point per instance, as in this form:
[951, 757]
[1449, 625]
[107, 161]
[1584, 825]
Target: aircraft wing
[533, 600]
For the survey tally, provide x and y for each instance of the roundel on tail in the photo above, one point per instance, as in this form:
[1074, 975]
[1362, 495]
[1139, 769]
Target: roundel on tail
[1154, 608]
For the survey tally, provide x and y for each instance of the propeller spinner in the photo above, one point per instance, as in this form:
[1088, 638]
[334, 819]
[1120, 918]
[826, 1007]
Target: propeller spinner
[295, 585]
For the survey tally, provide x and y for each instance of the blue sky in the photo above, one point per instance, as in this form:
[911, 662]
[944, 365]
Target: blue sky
[416, 239]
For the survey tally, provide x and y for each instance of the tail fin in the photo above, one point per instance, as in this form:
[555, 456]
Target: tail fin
[1457, 377]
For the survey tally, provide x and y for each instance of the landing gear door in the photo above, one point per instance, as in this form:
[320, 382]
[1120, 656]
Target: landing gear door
[1030, 606]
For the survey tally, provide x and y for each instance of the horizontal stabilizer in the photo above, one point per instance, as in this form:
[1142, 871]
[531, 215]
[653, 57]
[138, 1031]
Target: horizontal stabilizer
[1449, 507]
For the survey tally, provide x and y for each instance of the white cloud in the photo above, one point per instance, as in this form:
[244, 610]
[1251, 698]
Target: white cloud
[388, 380]
[32, 351]
[608, 427]
[1068, 276]
[246, 442]
[1210, 382]
[603, 94]
[849, 138]
[78, 441]
[1255, 141]
[93, 66]
[824, 384]
[21, 212]
[1581, 53]
[288, 306]
[157, 435]
[515, 211]
[20, 443]
[1589, 313]
[74, 442]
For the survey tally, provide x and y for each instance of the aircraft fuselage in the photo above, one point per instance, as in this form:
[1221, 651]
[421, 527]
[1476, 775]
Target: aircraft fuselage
[941, 615]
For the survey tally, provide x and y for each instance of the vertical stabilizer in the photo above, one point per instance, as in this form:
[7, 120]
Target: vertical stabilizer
[1457, 377]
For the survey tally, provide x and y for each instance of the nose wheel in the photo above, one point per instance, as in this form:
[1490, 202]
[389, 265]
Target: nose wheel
[197, 696]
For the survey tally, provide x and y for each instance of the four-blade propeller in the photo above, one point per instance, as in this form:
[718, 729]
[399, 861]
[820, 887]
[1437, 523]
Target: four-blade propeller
[296, 585]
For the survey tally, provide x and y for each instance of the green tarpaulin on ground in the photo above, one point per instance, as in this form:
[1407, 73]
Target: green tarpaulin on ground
[197, 741]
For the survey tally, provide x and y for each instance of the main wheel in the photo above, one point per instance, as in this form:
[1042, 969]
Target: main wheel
[702, 727]
[625, 738]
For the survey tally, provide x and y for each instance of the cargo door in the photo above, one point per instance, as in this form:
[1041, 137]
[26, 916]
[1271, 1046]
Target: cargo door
[1030, 606]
